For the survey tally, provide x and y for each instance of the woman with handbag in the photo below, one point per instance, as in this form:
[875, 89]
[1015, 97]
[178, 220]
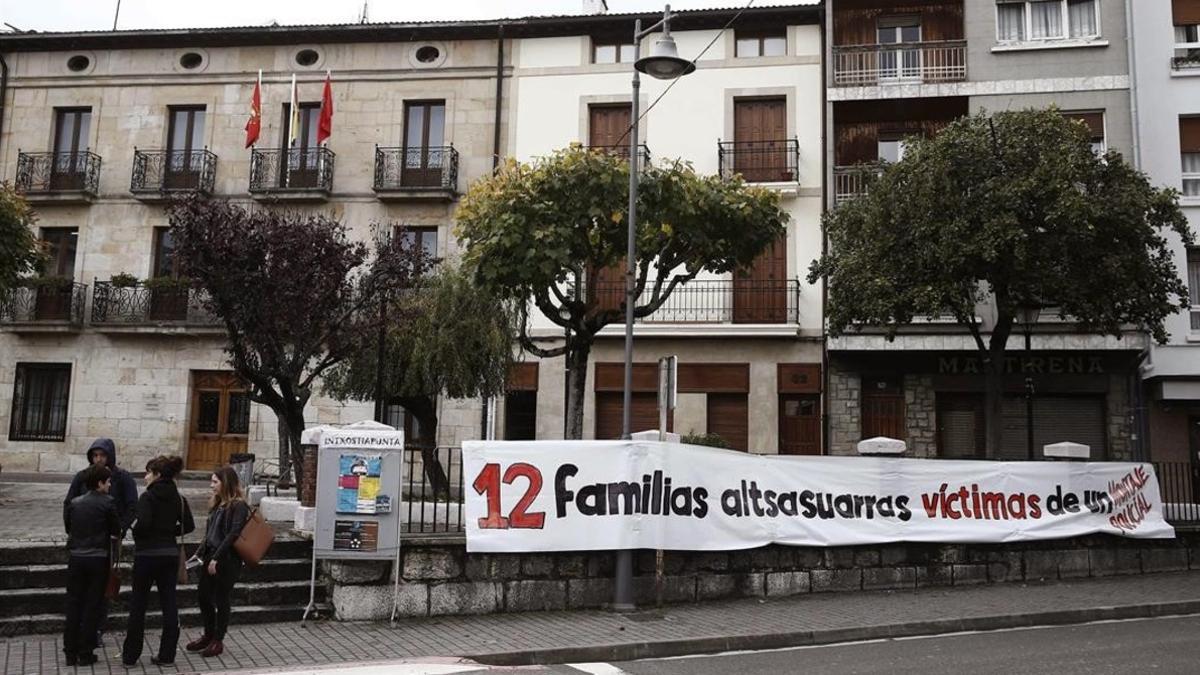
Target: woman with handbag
[163, 517]
[221, 565]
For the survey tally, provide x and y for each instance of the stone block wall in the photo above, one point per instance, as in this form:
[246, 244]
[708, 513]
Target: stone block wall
[842, 410]
[440, 577]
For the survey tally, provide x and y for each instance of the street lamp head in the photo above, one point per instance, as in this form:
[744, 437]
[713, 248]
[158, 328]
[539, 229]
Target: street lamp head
[664, 62]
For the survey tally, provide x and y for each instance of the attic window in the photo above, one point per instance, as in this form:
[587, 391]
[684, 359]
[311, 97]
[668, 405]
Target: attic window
[78, 63]
[191, 60]
[307, 57]
[428, 54]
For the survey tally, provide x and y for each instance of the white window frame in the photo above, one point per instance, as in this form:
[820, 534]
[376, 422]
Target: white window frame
[1027, 17]
[1194, 309]
[1185, 177]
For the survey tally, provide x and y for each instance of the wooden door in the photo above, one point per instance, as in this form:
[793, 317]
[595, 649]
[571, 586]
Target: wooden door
[610, 406]
[760, 140]
[302, 168]
[71, 130]
[883, 408]
[607, 127]
[799, 424]
[424, 136]
[960, 425]
[220, 419]
[185, 142]
[760, 293]
[729, 417]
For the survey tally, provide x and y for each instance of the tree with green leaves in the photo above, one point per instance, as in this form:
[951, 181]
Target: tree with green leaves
[20, 253]
[544, 234]
[1014, 210]
[449, 338]
[295, 294]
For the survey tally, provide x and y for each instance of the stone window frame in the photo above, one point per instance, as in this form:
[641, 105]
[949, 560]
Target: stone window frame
[58, 377]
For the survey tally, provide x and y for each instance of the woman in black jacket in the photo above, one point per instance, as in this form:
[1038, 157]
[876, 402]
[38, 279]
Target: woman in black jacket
[227, 515]
[162, 516]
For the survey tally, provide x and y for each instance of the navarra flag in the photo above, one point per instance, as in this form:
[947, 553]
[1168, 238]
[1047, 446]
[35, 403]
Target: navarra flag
[325, 123]
[254, 124]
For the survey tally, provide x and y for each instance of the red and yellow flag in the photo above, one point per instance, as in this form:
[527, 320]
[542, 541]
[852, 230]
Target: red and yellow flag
[325, 122]
[254, 124]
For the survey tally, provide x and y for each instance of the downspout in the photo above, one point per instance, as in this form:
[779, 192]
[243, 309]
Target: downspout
[1133, 106]
[825, 178]
[1141, 418]
[3, 98]
[489, 418]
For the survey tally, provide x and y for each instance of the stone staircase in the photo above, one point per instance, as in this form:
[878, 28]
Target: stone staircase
[33, 589]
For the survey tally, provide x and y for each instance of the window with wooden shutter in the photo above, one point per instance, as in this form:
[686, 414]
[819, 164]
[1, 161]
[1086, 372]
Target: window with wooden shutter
[729, 417]
[1193, 278]
[1094, 121]
[607, 127]
[1189, 153]
[1185, 12]
[760, 293]
[760, 139]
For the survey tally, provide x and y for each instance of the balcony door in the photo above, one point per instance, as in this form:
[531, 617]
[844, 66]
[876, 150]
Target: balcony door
[71, 129]
[220, 419]
[607, 127]
[185, 142]
[424, 138]
[899, 55]
[760, 140]
[301, 169]
[760, 293]
[54, 301]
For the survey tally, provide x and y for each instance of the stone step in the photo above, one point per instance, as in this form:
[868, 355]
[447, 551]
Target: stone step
[16, 602]
[285, 546]
[55, 576]
[31, 624]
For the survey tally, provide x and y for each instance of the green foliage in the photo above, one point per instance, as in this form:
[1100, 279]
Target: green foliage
[123, 280]
[19, 251]
[709, 439]
[164, 283]
[48, 282]
[1013, 208]
[450, 338]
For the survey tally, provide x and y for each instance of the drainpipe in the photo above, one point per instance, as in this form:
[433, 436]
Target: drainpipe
[825, 178]
[3, 97]
[499, 94]
[1141, 417]
[1133, 105]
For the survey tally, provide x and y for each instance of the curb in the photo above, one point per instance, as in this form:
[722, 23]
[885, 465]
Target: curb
[630, 651]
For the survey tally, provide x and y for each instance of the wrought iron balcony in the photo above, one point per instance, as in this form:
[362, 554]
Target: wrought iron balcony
[901, 63]
[761, 161]
[298, 172]
[416, 172]
[622, 151]
[714, 301]
[43, 303]
[54, 174]
[143, 305]
[851, 181]
[158, 173]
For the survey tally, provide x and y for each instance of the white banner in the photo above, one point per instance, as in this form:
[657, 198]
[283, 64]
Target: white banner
[594, 495]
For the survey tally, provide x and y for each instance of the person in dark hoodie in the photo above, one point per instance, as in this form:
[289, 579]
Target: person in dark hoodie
[162, 516]
[124, 492]
[92, 524]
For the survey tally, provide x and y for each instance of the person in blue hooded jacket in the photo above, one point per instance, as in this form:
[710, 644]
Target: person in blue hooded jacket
[124, 490]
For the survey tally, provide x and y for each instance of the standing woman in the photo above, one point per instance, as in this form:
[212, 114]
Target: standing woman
[227, 515]
[162, 516]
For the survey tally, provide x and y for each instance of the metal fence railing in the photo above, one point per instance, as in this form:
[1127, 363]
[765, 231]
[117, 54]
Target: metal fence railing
[292, 170]
[1179, 485]
[416, 169]
[900, 63]
[775, 161]
[432, 500]
[50, 172]
[58, 304]
[713, 301]
[141, 304]
[171, 171]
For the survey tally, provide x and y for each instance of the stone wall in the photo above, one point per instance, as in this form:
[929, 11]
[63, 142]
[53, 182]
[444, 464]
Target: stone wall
[440, 577]
[843, 411]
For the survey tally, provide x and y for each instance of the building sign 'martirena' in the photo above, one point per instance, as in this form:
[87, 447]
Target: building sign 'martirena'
[1022, 365]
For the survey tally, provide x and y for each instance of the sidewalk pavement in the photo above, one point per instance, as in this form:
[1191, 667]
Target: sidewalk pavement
[557, 637]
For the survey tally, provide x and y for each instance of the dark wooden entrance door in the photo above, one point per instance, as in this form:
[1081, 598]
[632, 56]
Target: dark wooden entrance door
[607, 125]
[799, 424]
[883, 408]
[760, 140]
[220, 419]
[760, 293]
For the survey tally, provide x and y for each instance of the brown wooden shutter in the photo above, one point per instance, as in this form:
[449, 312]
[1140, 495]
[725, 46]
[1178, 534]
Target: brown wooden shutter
[760, 293]
[607, 288]
[1189, 134]
[610, 406]
[760, 134]
[729, 418]
[1185, 12]
[798, 378]
[523, 376]
[883, 408]
[607, 125]
[705, 378]
[1093, 120]
[611, 377]
[960, 425]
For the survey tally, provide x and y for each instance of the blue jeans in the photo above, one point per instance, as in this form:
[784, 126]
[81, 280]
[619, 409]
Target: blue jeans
[161, 571]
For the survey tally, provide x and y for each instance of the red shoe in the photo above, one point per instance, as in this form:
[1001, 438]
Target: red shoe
[199, 644]
[214, 648]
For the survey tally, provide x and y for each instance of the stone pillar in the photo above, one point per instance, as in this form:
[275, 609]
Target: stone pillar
[308, 491]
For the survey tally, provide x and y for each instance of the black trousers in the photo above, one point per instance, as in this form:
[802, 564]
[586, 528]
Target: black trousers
[214, 594]
[161, 571]
[86, 578]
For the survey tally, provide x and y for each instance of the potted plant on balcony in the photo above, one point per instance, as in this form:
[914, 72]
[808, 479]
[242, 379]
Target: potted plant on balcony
[168, 298]
[123, 280]
[53, 294]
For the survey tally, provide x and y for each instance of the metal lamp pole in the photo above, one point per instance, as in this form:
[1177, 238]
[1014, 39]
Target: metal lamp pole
[664, 64]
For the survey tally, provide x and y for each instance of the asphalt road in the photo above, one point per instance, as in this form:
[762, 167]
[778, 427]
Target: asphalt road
[1167, 645]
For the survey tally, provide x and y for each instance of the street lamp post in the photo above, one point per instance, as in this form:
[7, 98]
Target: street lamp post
[663, 64]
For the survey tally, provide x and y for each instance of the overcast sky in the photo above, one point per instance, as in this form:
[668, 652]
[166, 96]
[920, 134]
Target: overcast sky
[61, 15]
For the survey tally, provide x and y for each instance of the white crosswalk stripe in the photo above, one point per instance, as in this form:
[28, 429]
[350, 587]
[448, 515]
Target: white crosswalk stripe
[597, 668]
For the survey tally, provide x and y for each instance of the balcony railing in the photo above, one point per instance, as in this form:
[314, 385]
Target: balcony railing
[44, 304]
[714, 301]
[149, 306]
[760, 161]
[850, 181]
[57, 172]
[432, 169]
[298, 170]
[157, 172]
[643, 152]
[904, 63]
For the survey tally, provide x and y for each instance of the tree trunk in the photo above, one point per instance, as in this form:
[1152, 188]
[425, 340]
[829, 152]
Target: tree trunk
[424, 409]
[295, 428]
[994, 382]
[285, 451]
[577, 362]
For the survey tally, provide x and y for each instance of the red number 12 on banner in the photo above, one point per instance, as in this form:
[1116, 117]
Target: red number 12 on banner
[488, 482]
